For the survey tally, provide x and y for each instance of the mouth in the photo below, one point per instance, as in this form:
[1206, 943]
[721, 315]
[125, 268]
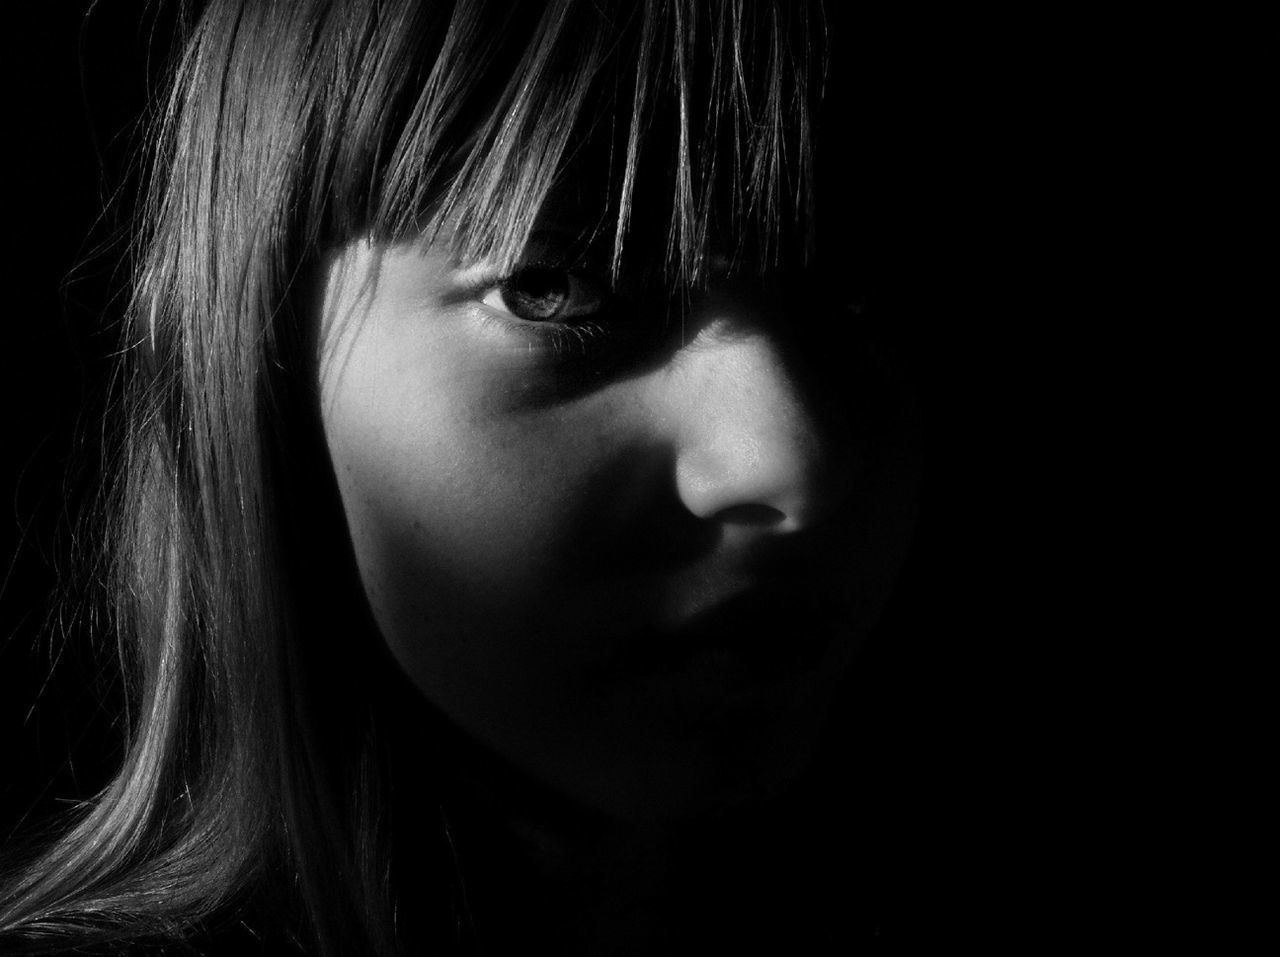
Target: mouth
[763, 635]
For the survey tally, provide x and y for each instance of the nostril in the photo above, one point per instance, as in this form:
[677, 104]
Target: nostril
[754, 514]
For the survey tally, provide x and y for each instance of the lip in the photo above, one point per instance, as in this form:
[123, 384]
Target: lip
[768, 633]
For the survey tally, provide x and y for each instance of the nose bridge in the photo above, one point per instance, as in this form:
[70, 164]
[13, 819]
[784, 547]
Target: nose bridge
[749, 448]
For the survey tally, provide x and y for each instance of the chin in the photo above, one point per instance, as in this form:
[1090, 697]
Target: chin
[745, 754]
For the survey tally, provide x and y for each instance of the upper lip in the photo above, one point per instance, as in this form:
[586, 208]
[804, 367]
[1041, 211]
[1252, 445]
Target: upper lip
[770, 624]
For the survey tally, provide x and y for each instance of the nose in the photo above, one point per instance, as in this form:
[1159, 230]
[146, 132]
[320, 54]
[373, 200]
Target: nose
[749, 448]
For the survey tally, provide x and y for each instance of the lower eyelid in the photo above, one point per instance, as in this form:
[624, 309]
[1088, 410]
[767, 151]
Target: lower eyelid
[556, 337]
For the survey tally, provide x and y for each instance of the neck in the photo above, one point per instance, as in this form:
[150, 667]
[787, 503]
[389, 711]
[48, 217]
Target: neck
[537, 869]
[573, 882]
[535, 873]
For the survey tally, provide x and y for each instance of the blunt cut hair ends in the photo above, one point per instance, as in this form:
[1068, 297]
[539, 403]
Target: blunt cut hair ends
[294, 126]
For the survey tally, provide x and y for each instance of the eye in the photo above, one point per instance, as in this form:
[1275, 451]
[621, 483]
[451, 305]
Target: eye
[541, 294]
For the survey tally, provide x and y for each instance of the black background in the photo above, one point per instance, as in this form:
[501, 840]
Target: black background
[77, 87]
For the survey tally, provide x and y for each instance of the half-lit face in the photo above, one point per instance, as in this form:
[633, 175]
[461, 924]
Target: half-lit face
[630, 555]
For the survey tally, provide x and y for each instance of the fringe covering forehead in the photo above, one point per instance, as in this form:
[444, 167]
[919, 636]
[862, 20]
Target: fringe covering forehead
[465, 119]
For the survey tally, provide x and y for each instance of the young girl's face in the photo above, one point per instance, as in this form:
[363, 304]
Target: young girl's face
[633, 558]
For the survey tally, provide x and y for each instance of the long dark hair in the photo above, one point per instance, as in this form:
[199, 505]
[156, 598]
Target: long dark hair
[293, 126]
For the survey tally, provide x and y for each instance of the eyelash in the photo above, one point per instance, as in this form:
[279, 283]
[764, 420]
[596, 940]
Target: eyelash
[562, 338]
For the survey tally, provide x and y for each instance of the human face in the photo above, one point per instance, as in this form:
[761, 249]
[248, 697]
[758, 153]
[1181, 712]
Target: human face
[638, 578]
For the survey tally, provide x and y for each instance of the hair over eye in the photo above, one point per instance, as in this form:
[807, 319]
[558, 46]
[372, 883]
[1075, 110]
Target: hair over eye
[544, 294]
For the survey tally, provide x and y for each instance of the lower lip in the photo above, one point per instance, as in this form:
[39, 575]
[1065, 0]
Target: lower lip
[724, 665]
[753, 666]
[766, 649]
[719, 688]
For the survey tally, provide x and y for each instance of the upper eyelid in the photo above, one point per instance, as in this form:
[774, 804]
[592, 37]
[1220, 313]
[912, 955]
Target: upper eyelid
[472, 281]
[482, 272]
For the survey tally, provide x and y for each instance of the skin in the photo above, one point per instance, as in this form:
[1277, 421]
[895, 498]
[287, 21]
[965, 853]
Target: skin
[540, 533]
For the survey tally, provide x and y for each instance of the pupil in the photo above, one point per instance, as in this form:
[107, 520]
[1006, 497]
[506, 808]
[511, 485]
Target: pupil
[537, 294]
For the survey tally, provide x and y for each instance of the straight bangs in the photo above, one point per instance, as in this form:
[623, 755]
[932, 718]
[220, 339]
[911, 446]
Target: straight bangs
[681, 123]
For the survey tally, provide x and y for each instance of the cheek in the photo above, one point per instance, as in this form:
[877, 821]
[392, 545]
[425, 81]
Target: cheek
[518, 548]
[472, 531]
